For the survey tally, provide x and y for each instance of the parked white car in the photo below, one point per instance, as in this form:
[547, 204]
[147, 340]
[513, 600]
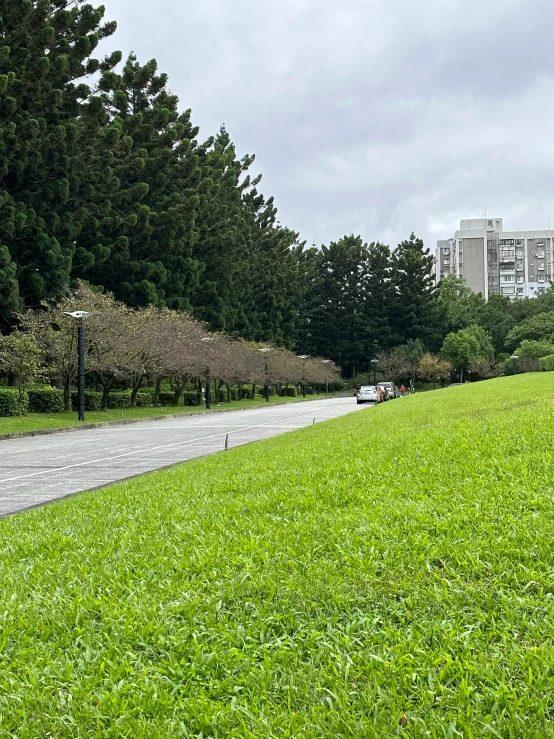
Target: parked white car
[368, 394]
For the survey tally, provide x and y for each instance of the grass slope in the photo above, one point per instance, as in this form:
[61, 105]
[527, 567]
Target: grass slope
[37, 421]
[386, 574]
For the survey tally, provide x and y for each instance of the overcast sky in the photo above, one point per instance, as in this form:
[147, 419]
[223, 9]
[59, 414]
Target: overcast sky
[376, 117]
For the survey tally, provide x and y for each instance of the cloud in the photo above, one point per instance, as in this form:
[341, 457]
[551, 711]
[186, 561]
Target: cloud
[379, 118]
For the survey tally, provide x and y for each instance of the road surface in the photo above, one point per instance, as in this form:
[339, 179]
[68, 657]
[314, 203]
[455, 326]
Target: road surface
[40, 469]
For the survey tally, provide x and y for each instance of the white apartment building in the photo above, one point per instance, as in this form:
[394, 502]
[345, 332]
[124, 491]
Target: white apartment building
[492, 261]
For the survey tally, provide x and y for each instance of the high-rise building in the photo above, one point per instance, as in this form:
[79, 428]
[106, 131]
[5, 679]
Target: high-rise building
[492, 261]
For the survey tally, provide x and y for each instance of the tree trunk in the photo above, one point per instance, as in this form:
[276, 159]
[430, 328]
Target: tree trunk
[199, 392]
[137, 384]
[157, 391]
[106, 387]
[253, 393]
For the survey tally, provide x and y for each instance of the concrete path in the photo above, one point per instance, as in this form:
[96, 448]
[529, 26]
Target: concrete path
[37, 470]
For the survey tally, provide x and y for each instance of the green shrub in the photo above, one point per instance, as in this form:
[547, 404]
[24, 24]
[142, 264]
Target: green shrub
[119, 399]
[288, 392]
[190, 398]
[93, 400]
[45, 400]
[144, 399]
[167, 398]
[546, 364]
[11, 403]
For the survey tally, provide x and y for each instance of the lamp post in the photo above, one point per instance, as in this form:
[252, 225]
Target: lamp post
[326, 361]
[304, 357]
[208, 380]
[514, 359]
[80, 316]
[265, 350]
[375, 362]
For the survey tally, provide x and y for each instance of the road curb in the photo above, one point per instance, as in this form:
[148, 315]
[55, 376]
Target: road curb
[125, 422]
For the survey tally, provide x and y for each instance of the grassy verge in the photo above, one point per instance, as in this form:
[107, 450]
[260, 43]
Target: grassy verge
[387, 574]
[37, 421]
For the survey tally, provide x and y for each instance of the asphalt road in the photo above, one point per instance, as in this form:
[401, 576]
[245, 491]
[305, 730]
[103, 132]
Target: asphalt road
[37, 470]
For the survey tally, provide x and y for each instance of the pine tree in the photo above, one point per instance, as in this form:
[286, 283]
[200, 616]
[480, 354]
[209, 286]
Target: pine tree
[339, 324]
[413, 311]
[9, 290]
[222, 247]
[378, 298]
[45, 53]
[150, 231]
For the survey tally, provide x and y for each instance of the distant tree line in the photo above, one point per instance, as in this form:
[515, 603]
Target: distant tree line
[151, 348]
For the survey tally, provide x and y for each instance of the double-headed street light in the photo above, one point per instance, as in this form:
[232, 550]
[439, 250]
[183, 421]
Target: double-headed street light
[326, 361]
[265, 350]
[80, 316]
[304, 357]
[375, 362]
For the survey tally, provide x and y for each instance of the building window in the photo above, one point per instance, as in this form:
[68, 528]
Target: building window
[540, 253]
[519, 278]
[541, 289]
[540, 278]
[540, 266]
[507, 278]
[519, 266]
[508, 290]
[519, 242]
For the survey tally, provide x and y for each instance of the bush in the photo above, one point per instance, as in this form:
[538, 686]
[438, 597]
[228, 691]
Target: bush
[190, 398]
[222, 395]
[168, 399]
[45, 400]
[546, 364]
[288, 392]
[119, 399]
[93, 400]
[144, 399]
[10, 402]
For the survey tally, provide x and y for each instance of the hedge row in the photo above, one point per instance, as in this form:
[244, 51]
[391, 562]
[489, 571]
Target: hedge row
[547, 363]
[12, 403]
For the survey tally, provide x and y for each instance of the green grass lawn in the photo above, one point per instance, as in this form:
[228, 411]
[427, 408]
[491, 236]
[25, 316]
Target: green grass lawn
[37, 421]
[386, 574]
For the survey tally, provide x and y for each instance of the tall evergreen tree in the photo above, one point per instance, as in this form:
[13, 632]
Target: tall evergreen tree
[45, 54]
[413, 312]
[150, 230]
[339, 322]
[378, 298]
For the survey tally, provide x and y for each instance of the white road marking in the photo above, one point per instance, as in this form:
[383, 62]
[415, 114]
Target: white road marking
[140, 451]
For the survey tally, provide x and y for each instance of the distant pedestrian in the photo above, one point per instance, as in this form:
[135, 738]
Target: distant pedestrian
[402, 391]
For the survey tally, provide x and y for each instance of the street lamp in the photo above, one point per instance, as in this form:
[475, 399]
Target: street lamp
[266, 372]
[375, 362]
[304, 357]
[208, 380]
[80, 316]
[514, 359]
[326, 361]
